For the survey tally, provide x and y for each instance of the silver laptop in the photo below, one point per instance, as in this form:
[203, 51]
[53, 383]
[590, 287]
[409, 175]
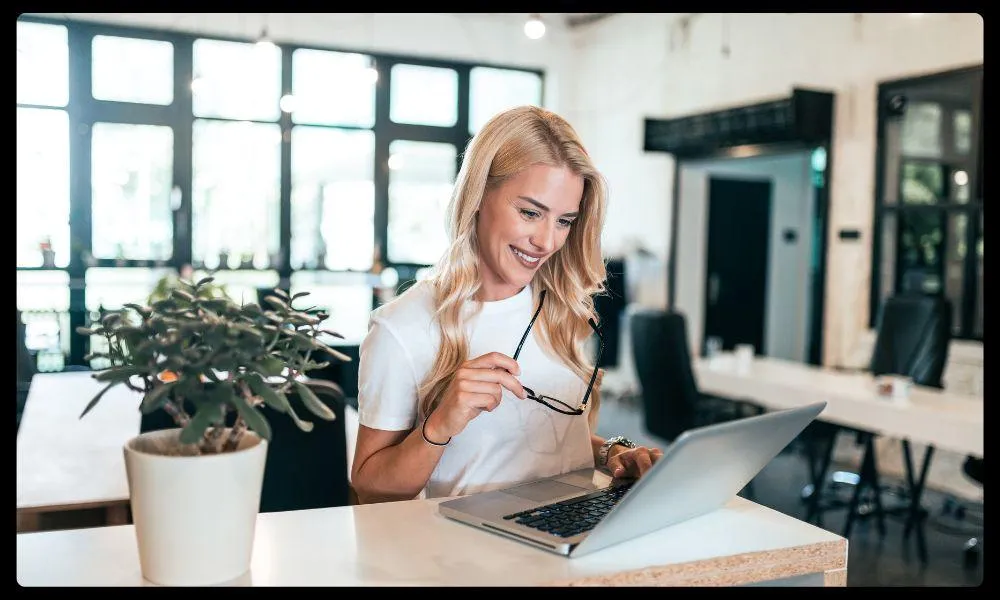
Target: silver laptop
[585, 510]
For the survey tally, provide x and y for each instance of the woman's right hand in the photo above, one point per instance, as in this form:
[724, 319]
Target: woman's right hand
[477, 385]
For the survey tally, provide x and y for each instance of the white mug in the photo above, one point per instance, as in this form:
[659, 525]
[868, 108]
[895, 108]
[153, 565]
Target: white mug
[744, 356]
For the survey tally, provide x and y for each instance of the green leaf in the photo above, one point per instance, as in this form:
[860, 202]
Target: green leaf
[120, 374]
[303, 425]
[299, 295]
[85, 331]
[199, 423]
[272, 366]
[204, 281]
[155, 398]
[97, 398]
[182, 294]
[255, 420]
[334, 353]
[281, 293]
[333, 333]
[314, 404]
[267, 393]
[322, 386]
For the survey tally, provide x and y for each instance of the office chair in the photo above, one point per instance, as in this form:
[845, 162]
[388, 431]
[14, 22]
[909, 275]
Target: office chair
[912, 339]
[303, 469]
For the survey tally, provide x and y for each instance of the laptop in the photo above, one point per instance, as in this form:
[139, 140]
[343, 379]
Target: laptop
[585, 510]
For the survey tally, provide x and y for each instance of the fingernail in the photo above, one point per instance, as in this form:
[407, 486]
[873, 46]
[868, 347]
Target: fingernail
[619, 471]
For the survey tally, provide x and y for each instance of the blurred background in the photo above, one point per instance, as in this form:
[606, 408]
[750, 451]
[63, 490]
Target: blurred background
[817, 164]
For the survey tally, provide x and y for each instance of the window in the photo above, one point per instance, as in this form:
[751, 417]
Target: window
[42, 188]
[333, 198]
[133, 70]
[928, 214]
[132, 175]
[270, 165]
[333, 88]
[234, 80]
[496, 90]
[42, 64]
[235, 183]
[423, 95]
[421, 175]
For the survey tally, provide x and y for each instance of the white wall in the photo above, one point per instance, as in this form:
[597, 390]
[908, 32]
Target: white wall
[632, 66]
[788, 291]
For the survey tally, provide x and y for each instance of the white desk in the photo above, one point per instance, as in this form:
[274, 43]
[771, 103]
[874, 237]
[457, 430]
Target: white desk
[68, 463]
[409, 544]
[930, 416]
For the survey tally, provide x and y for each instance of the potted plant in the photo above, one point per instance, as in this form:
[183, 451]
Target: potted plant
[195, 489]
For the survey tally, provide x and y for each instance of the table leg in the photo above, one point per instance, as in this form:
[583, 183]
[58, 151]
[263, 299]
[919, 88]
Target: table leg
[819, 478]
[914, 517]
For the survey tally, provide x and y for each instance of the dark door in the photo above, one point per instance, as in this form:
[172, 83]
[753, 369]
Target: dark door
[739, 219]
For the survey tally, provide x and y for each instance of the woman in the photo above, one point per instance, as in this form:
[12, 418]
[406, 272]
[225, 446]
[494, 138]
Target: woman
[444, 407]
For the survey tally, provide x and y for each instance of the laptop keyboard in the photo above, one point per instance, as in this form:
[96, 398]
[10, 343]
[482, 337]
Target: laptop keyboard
[574, 516]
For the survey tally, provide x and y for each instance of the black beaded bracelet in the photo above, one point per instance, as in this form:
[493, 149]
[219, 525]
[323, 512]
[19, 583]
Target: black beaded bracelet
[424, 434]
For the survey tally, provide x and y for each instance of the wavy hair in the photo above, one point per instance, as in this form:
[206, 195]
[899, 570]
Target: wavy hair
[507, 144]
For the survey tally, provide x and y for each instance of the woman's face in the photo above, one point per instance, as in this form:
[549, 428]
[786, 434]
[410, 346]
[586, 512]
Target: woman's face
[521, 224]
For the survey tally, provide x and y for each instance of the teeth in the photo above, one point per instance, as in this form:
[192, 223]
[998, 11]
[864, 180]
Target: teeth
[530, 259]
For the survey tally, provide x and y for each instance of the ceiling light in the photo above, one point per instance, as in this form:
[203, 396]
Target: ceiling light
[534, 28]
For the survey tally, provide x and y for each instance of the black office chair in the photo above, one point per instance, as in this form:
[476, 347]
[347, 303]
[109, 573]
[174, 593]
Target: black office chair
[303, 469]
[912, 339]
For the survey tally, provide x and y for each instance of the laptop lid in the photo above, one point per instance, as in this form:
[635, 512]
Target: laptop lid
[699, 472]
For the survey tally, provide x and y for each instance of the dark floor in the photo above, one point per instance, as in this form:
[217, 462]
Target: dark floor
[871, 561]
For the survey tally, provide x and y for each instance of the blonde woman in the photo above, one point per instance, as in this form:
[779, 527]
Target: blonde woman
[475, 378]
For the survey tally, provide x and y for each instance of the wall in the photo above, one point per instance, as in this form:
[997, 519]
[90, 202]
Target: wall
[787, 305]
[632, 66]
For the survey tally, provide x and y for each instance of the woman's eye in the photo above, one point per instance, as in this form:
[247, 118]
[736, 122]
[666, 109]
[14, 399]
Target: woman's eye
[531, 214]
[565, 222]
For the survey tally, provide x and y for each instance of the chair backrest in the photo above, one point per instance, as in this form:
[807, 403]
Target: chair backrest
[303, 469]
[912, 338]
[662, 359]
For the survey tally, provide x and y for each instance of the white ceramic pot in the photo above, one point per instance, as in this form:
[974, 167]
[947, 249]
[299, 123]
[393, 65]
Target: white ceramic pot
[194, 516]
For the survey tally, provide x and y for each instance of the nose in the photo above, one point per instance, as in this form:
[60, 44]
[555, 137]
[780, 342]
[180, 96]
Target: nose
[544, 237]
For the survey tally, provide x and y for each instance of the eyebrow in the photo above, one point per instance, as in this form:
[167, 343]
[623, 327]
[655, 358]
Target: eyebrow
[545, 208]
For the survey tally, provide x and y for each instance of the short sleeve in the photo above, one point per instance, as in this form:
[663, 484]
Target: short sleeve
[387, 386]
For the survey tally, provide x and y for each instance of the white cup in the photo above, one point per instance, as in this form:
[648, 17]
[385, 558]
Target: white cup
[744, 356]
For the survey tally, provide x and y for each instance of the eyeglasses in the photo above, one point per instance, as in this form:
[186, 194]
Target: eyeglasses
[553, 403]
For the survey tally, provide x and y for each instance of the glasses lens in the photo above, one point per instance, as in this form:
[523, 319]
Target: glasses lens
[559, 405]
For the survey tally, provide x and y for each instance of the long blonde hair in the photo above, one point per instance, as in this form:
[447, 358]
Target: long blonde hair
[510, 142]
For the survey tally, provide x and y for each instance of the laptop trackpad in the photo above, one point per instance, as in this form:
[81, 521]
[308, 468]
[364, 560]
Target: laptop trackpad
[543, 491]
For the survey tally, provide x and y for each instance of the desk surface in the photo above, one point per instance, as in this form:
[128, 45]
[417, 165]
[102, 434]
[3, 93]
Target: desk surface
[409, 543]
[64, 461]
[946, 420]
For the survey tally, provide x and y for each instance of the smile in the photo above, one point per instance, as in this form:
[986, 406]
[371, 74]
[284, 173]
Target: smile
[528, 261]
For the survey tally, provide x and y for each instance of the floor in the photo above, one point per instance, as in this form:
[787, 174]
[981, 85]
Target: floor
[871, 561]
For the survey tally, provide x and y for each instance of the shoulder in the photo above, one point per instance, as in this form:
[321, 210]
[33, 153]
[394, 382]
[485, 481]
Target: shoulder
[410, 316]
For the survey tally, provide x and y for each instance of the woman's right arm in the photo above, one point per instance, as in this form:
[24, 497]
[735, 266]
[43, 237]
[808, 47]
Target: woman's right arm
[396, 465]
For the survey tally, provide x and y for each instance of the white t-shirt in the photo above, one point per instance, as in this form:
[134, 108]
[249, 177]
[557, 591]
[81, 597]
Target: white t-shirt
[520, 440]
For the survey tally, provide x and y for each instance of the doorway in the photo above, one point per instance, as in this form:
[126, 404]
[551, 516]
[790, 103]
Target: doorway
[739, 215]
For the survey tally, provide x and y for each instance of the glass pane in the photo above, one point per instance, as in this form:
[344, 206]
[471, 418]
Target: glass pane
[920, 250]
[978, 328]
[110, 288]
[423, 95]
[421, 175]
[923, 183]
[42, 187]
[243, 286]
[887, 263]
[921, 135]
[333, 198]
[235, 80]
[132, 178]
[42, 64]
[954, 268]
[43, 299]
[333, 88]
[133, 70]
[235, 185]
[495, 90]
[962, 123]
[347, 296]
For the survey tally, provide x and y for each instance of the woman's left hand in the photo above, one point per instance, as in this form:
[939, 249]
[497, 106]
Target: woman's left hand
[633, 462]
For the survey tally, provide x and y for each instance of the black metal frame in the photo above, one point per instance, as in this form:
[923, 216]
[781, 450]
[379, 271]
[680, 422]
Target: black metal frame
[971, 209]
[83, 111]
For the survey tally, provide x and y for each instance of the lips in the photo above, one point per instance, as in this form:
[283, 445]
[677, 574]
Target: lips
[530, 261]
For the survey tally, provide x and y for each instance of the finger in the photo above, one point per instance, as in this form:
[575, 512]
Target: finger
[642, 461]
[486, 402]
[497, 376]
[481, 387]
[495, 360]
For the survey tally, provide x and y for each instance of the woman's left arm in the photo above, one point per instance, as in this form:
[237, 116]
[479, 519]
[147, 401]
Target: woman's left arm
[625, 462]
